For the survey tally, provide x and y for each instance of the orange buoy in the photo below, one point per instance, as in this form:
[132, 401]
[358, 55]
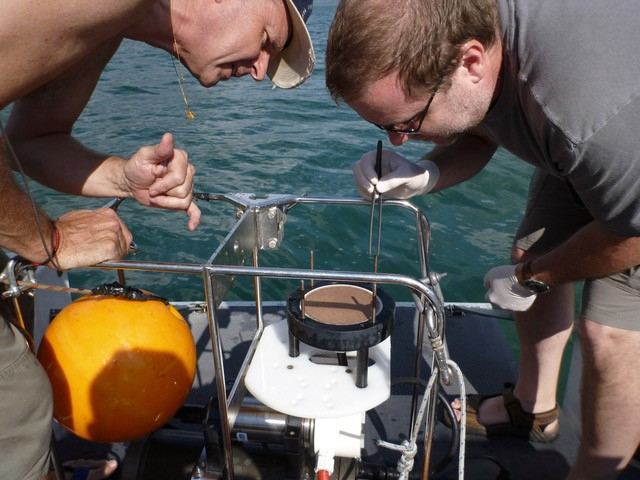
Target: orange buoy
[119, 368]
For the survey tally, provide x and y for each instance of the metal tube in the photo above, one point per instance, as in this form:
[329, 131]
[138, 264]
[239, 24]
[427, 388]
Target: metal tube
[259, 423]
[276, 272]
[378, 167]
[302, 313]
[379, 225]
[218, 365]
[373, 210]
[374, 290]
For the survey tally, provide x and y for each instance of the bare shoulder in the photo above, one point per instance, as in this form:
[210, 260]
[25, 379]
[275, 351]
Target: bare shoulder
[41, 39]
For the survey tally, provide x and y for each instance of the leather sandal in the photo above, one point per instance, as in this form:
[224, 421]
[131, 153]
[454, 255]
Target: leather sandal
[530, 426]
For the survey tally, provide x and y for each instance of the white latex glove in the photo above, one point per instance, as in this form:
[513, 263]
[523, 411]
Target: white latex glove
[401, 178]
[505, 291]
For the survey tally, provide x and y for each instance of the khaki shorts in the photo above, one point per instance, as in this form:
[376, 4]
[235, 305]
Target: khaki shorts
[26, 409]
[554, 212]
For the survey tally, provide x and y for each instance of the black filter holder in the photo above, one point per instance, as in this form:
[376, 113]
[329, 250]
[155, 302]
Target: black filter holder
[340, 337]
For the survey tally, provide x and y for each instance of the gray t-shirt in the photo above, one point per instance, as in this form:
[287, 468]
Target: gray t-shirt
[570, 100]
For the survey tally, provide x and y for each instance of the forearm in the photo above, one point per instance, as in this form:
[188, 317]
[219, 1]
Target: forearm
[62, 163]
[590, 253]
[25, 229]
[461, 160]
[159, 176]
[40, 125]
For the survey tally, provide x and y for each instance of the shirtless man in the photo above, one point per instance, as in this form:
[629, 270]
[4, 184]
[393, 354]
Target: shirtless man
[52, 56]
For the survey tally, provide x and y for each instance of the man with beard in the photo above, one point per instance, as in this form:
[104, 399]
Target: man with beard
[552, 83]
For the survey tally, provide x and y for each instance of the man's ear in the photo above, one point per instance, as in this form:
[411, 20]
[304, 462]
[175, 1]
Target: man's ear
[474, 60]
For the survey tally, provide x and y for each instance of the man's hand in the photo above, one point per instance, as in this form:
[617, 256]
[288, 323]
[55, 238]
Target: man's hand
[89, 237]
[505, 291]
[161, 176]
[400, 178]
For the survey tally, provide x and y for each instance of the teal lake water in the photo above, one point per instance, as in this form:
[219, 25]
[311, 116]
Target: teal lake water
[250, 137]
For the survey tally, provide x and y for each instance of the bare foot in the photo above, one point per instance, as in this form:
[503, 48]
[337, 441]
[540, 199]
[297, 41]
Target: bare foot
[98, 469]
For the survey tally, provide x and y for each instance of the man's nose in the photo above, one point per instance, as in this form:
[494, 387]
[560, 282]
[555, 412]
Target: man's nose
[259, 67]
[397, 139]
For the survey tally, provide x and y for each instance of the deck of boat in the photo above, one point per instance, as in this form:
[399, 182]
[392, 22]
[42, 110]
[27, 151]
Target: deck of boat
[476, 342]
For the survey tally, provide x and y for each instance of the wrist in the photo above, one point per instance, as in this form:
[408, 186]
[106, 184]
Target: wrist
[54, 246]
[119, 178]
[525, 277]
[433, 174]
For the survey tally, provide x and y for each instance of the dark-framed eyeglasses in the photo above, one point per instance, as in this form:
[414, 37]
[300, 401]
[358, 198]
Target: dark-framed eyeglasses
[412, 126]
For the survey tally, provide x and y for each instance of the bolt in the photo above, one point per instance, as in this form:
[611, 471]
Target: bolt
[197, 472]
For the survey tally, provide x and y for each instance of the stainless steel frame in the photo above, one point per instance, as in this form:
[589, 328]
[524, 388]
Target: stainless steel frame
[260, 226]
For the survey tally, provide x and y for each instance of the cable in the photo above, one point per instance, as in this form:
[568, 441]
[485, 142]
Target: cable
[457, 310]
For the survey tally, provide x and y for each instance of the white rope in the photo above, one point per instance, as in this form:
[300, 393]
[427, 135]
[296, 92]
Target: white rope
[405, 464]
[463, 417]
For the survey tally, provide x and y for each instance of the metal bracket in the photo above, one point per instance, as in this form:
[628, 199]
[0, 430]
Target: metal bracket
[17, 269]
